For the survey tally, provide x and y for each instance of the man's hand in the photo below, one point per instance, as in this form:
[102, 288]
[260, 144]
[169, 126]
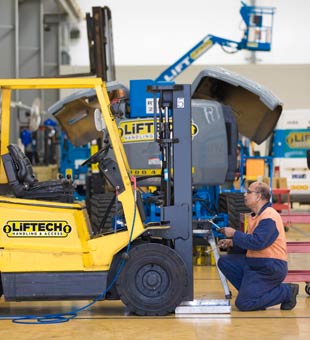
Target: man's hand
[225, 243]
[228, 232]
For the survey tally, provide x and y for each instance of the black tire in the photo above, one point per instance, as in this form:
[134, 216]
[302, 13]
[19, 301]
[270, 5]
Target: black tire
[232, 203]
[153, 280]
[98, 206]
[307, 288]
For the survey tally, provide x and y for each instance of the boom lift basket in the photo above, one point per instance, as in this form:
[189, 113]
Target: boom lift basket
[259, 23]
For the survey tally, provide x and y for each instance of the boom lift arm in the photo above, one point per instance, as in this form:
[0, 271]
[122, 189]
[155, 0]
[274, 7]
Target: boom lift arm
[257, 37]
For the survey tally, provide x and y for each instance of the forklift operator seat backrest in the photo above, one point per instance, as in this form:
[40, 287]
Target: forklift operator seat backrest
[23, 165]
[24, 184]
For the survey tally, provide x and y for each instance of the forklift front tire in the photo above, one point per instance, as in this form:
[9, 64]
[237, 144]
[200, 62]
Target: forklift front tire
[153, 280]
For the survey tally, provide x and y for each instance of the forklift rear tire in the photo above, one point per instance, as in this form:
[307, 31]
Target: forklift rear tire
[153, 280]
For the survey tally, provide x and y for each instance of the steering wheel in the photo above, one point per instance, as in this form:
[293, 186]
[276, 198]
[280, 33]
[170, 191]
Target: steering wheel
[95, 158]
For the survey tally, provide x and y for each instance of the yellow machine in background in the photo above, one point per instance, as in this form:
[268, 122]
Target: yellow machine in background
[48, 249]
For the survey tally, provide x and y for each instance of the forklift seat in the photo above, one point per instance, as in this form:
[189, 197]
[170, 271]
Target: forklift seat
[24, 184]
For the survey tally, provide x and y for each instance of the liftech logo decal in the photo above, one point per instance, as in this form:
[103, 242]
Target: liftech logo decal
[37, 229]
[298, 140]
[142, 130]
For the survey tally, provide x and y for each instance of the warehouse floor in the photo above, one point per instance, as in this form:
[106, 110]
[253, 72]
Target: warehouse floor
[108, 320]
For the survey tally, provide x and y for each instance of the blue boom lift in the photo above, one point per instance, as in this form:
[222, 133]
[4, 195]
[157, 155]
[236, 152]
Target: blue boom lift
[257, 36]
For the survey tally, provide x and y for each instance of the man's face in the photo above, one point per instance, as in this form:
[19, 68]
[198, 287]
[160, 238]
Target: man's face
[251, 196]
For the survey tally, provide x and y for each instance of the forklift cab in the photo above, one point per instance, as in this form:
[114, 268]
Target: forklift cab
[48, 250]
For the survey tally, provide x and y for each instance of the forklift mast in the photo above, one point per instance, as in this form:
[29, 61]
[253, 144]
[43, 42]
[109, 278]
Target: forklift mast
[173, 134]
[100, 43]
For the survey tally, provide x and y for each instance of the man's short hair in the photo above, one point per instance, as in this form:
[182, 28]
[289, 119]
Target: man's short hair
[264, 190]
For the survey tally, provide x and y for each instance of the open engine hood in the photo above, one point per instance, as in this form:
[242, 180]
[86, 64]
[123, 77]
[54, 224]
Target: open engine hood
[75, 113]
[256, 109]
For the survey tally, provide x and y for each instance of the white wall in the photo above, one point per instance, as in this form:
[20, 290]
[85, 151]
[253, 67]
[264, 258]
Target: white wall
[159, 32]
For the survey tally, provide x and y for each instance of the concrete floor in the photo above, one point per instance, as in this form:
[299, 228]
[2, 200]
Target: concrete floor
[110, 320]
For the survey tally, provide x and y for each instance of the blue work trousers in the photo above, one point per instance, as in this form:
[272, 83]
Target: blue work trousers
[258, 281]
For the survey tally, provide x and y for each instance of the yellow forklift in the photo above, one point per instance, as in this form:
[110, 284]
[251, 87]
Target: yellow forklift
[48, 248]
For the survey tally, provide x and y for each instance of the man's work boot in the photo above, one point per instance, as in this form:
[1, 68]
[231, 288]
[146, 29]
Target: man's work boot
[291, 303]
